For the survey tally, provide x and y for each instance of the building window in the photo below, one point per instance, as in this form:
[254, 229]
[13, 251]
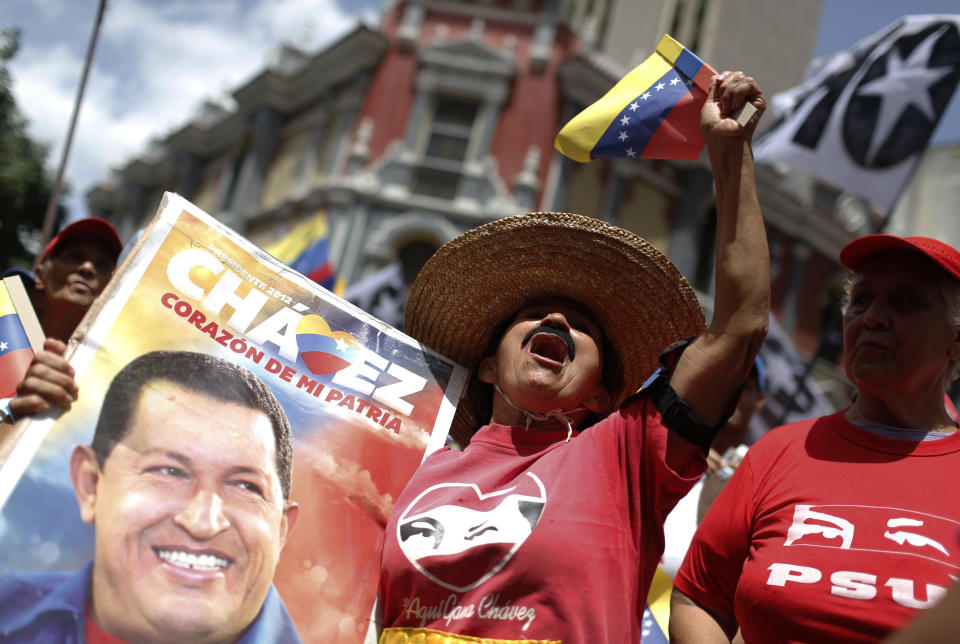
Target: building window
[447, 147]
[283, 177]
[327, 144]
[413, 256]
[676, 23]
[239, 157]
[698, 26]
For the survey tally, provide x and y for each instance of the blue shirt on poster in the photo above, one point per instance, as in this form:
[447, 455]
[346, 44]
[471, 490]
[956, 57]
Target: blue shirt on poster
[51, 607]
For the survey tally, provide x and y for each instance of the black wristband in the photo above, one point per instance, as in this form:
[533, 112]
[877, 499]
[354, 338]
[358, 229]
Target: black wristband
[677, 415]
[674, 410]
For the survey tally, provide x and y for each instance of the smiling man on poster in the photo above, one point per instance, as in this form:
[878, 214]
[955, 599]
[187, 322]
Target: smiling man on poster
[187, 483]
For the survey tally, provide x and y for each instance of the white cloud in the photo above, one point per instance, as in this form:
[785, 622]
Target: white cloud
[51, 9]
[156, 62]
[356, 484]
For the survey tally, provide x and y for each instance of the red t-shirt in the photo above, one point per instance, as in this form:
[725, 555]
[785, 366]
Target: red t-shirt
[526, 536]
[829, 533]
[93, 634]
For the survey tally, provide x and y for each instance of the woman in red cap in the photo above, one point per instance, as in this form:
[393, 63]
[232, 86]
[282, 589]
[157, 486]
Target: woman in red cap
[839, 529]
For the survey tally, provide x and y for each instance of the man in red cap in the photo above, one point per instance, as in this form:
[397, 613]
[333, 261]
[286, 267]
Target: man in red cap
[71, 272]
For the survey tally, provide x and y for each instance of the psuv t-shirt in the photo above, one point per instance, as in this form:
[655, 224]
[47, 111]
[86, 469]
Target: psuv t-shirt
[829, 533]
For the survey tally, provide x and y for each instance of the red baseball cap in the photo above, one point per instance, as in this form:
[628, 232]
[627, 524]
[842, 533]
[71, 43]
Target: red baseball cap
[859, 250]
[94, 228]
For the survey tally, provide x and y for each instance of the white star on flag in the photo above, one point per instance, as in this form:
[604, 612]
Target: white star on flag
[674, 81]
[631, 153]
[862, 118]
[634, 105]
[341, 344]
[623, 135]
[3, 346]
[904, 84]
[625, 120]
[645, 95]
[659, 86]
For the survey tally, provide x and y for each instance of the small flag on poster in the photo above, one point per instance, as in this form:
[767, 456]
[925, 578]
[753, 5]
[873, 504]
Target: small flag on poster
[306, 249]
[20, 335]
[652, 113]
[862, 117]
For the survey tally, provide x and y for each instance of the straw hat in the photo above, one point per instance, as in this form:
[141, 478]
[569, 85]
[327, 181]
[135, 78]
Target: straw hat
[485, 275]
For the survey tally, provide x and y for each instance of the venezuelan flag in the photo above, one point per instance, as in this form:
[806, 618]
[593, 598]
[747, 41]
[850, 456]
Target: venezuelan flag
[653, 112]
[306, 249]
[15, 351]
[656, 614]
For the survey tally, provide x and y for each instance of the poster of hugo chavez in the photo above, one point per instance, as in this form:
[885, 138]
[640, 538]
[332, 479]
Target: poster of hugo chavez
[180, 502]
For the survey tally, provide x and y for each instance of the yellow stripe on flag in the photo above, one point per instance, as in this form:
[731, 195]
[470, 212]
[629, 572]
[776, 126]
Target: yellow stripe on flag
[669, 48]
[580, 135]
[658, 599]
[412, 635]
[299, 239]
[6, 304]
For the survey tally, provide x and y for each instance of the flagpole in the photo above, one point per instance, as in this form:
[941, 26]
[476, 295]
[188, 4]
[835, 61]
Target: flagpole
[50, 214]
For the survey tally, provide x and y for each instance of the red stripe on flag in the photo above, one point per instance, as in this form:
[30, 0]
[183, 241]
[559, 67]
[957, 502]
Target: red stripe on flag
[678, 136]
[13, 366]
[321, 274]
[704, 76]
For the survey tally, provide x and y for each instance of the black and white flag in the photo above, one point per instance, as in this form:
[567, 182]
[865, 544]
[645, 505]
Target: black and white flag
[861, 117]
[383, 295]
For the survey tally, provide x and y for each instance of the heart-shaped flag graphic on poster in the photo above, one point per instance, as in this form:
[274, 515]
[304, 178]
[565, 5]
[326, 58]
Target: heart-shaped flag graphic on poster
[322, 350]
[459, 537]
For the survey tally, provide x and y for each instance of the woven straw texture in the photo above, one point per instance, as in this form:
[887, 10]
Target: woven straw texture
[487, 274]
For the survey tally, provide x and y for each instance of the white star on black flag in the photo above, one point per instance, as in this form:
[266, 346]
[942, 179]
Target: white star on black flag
[383, 294]
[862, 117]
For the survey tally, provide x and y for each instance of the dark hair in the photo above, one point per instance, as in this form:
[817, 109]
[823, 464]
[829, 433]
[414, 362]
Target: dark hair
[198, 373]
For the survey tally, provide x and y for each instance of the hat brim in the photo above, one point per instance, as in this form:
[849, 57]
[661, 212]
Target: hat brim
[476, 281]
[854, 254]
[93, 228]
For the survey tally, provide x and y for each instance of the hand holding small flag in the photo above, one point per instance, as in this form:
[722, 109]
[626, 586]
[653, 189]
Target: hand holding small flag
[732, 109]
[48, 383]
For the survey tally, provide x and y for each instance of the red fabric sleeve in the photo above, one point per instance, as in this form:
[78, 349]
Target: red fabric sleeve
[651, 487]
[711, 568]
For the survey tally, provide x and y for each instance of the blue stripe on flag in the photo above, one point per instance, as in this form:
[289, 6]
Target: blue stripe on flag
[688, 63]
[12, 336]
[643, 117]
[651, 631]
[312, 258]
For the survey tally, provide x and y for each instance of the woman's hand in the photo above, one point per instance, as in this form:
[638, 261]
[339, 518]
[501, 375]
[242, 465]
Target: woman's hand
[728, 93]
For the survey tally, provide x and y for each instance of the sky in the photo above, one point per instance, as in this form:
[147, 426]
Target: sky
[158, 60]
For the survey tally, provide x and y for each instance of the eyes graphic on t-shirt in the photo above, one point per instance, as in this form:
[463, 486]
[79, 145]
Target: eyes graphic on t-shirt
[452, 528]
[423, 527]
[455, 522]
[896, 531]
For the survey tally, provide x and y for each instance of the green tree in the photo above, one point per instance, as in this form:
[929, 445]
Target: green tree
[25, 184]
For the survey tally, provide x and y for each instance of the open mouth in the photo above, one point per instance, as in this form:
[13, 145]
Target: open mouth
[192, 561]
[551, 343]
